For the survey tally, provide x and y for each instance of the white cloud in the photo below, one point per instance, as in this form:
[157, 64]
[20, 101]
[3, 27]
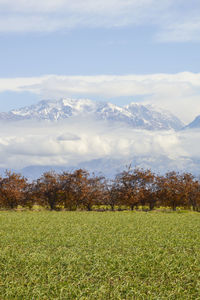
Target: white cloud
[24, 144]
[187, 31]
[91, 6]
[179, 93]
[174, 21]
[26, 16]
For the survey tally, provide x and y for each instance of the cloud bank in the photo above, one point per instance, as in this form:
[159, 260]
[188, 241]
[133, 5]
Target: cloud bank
[70, 143]
[173, 20]
[179, 93]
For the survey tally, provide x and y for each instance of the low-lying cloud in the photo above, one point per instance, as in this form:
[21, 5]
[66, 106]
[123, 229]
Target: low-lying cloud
[70, 143]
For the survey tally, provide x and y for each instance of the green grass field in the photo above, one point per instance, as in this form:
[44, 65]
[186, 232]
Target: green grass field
[80, 255]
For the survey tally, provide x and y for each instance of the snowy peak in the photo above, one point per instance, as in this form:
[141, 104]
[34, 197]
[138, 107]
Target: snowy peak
[135, 115]
[194, 124]
[154, 117]
[54, 110]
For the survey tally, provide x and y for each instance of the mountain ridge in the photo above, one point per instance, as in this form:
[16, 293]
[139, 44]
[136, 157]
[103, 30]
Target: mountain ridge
[135, 115]
[110, 167]
[195, 124]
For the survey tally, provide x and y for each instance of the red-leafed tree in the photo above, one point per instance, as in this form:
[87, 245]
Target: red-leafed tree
[135, 187]
[12, 190]
[47, 190]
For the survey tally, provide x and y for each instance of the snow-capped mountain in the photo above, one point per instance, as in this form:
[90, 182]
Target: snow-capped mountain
[194, 124]
[135, 115]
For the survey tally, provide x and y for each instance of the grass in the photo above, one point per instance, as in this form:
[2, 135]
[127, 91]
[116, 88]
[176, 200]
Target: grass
[80, 255]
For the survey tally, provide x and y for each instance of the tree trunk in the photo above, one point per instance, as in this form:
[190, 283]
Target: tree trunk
[12, 205]
[174, 207]
[151, 206]
[89, 207]
[112, 207]
[52, 205]
[194, 206]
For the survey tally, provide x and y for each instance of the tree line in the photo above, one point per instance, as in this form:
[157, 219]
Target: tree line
[80, 190]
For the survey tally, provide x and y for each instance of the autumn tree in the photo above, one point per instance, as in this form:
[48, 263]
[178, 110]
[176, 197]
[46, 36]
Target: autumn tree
[87, 189]
[30, 195]
[67, 191]
[134, 187]
[12, 190]
[150, 189]
[80, 182]
[128, 191]
[191, 188]
[171, 190]
[95, 192]
[111, 194]
[48, 190]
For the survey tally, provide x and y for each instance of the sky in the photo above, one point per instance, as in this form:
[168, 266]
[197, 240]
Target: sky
[114, 50]
[122, 51]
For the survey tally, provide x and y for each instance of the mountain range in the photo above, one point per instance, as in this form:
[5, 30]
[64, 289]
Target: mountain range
[110, 167]
[135, 115]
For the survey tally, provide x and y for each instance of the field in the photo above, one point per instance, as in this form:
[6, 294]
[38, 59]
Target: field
[94, 255]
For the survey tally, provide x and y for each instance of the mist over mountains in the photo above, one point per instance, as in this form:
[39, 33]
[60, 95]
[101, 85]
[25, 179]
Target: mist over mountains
[99, 136]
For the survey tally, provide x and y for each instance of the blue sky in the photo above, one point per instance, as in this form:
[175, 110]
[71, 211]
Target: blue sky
[101, 38]
[95, 51]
